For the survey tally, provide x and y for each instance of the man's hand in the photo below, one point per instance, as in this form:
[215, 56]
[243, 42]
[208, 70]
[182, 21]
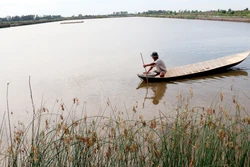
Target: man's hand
[144, 65]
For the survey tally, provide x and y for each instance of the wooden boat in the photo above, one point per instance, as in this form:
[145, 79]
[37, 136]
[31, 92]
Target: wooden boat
[231, 72]
[197, 69]
[72, 22]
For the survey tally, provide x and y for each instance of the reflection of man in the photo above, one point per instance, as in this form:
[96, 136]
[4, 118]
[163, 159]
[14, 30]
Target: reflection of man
[159, 91]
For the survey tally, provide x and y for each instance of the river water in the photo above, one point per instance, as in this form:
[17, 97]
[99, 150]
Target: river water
[97, 62]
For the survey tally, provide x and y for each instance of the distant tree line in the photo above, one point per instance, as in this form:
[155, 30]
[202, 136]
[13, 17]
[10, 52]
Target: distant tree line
[232, 12]
[168, 11]
[219, 12]
[120, 13]
[228, 12]
[29, 18]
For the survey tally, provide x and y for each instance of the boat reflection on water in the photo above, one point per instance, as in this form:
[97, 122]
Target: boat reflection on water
[158, 89]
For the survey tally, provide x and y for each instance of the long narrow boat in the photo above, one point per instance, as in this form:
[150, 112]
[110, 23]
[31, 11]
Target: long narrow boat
[198, 69]
[72, 22]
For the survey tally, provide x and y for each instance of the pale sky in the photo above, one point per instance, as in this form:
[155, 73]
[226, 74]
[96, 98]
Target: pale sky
[94, 7]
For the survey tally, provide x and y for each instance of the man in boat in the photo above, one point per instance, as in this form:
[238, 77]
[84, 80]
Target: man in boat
[158, 64]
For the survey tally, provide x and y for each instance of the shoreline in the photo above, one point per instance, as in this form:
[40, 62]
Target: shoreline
[25, 23]
[215, 18]
[240, 20]
[188, 17]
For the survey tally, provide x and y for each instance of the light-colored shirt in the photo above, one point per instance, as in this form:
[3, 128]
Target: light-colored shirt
[160, 65]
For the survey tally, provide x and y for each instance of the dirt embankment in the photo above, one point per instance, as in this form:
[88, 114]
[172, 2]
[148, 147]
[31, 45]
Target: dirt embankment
[232, 19]
[214, 18]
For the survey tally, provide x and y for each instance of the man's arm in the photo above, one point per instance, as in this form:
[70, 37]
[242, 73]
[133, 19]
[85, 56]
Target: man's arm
[150, 69]
[151, 66]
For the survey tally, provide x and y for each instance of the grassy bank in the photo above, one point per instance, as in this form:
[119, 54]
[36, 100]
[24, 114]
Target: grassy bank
[12, 23]
[201, 17]
[22, 23]
[195, 136]
[219, 15]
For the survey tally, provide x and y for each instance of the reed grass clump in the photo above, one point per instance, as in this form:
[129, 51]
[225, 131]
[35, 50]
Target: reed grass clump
[195, 136]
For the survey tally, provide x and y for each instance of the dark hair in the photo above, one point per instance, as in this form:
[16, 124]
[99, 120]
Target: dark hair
[154, 54]
[155, 101]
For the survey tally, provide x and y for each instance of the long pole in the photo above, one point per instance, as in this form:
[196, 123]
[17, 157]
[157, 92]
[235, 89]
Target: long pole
[144, 68]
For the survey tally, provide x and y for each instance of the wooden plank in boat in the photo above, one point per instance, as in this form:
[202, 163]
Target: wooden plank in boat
[186, 70]
[216, 63]
[206, 65]
[194, 68]
[179, 71]
[170, 73]
[199, 67]
[212, 64]
[223, 62]
[190, 70]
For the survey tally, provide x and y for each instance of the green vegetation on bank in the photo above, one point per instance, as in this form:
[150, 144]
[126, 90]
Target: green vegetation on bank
[221, 15]
[35, 19]
[225, 13]
[194, 137]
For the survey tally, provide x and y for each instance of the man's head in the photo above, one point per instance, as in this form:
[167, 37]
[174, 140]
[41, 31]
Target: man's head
[155, 101]
[154, 55]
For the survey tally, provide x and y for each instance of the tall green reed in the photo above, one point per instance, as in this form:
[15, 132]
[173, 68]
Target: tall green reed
[194, 136]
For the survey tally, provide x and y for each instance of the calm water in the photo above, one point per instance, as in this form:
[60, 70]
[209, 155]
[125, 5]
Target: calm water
[99, 59]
